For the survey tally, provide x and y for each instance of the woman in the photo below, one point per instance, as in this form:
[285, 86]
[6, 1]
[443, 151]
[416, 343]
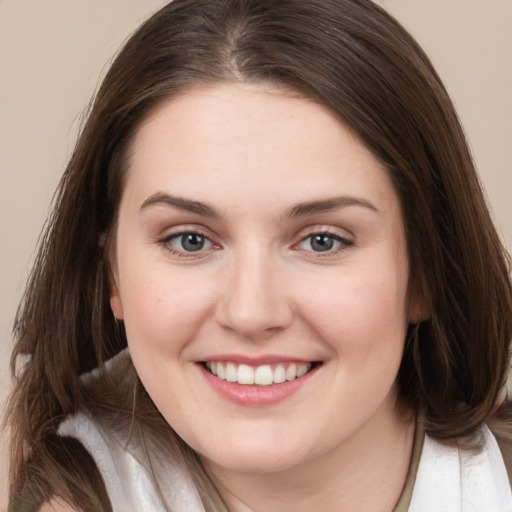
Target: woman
[270, 281]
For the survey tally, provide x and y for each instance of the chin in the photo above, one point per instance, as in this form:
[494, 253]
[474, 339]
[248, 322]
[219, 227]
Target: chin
[256, 458]
[274, 463]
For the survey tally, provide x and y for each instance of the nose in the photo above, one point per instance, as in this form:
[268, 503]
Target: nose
[254, 301]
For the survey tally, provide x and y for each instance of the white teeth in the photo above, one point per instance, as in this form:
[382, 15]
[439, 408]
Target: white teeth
[231, 373]
[221, 372]
[291, 372]
[263, 376]
[245, 374]
[279, 374]
[260, 375]
[302, 369]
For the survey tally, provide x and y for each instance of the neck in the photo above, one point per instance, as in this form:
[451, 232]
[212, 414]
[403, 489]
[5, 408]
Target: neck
[366, 472]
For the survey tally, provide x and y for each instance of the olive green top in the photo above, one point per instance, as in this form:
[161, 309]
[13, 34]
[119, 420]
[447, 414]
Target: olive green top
[405, 498]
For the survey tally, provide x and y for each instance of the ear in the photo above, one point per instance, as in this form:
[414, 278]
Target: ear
[115, 298]
[419, 306]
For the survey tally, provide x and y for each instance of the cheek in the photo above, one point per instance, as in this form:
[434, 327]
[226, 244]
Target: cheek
[360, 316]
[163, 308]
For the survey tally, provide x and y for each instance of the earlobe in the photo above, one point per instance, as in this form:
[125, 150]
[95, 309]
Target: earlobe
[115, 299]
[116, 306]
[419, 314]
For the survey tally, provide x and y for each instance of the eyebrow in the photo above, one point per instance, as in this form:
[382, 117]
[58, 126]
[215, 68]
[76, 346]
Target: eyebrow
[187, 205]
[327, 205]
[299, 210]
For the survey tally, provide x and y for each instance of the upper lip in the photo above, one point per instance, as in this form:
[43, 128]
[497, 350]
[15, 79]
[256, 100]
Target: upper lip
[255, 361]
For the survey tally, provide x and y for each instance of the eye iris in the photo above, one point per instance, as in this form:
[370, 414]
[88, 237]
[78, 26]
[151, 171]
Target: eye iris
[192, 242]
[322, 243]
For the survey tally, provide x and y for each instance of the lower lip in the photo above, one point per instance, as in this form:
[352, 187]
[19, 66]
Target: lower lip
[253, 395]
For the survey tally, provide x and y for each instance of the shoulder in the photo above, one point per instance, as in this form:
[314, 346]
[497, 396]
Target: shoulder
[452, 476]
[67, 470]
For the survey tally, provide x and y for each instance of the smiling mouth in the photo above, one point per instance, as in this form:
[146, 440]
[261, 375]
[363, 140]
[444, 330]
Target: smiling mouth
[264, 375]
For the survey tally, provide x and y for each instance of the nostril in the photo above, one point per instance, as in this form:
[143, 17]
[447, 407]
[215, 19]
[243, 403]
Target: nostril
[254, 320]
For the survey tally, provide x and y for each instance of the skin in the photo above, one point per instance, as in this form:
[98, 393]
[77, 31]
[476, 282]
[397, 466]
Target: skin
[259, 287]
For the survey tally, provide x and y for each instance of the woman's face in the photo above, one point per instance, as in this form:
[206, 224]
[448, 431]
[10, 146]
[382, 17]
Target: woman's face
[260, 241]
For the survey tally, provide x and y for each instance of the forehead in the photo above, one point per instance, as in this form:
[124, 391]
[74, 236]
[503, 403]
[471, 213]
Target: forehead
[238, 136]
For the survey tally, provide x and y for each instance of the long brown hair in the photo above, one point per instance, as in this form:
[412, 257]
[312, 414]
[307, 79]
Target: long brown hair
[358, 61]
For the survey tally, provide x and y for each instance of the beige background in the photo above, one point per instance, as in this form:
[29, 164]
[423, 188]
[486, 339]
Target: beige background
[52, 53]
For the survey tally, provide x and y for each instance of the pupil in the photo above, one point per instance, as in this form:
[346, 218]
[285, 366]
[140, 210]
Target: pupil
[192, 242]
[322, 243]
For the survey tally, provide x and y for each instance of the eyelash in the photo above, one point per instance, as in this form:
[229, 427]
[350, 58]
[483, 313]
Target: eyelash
[166, 244]
[344, 243]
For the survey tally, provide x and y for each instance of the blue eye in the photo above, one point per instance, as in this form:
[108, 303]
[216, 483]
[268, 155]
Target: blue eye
[323, 242]
[189, 242]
